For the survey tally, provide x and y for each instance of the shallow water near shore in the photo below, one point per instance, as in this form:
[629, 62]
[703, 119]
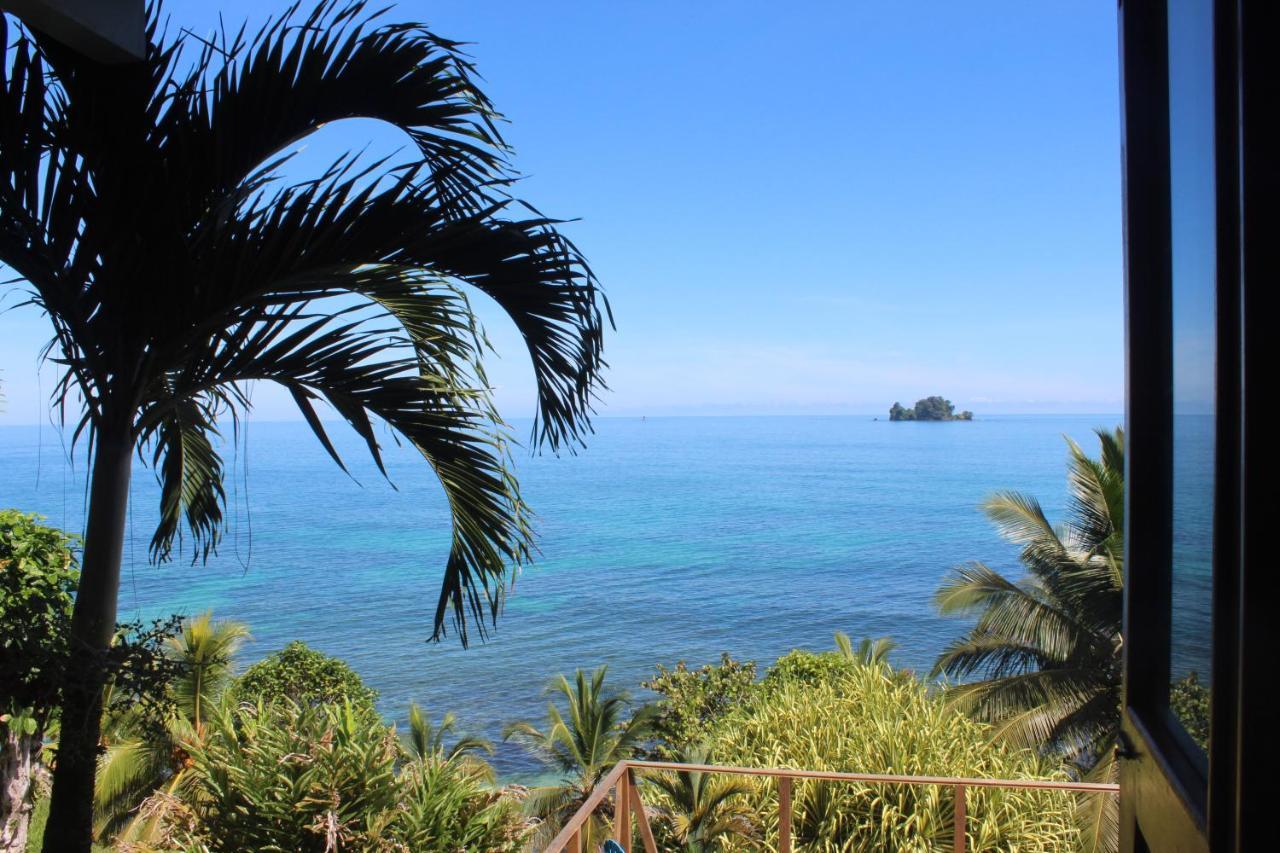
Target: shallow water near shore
[666, 539]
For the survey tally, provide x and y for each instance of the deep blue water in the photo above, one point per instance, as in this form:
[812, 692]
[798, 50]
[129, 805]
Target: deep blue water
[667, 538]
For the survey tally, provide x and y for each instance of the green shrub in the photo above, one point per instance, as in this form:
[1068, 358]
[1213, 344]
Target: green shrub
[38, 579]
[290, 777]
[447, 805]
[1189, 701]
[872, 720]
[800, 666]
[693, 700]
[303, 675]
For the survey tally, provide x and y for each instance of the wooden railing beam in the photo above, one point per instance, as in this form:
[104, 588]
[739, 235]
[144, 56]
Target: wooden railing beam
[637, 807]
[622, 811]
[784, 815]
[621, 780]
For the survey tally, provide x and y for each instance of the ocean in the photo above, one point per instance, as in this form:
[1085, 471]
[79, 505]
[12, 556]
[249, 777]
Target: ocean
[665, 539]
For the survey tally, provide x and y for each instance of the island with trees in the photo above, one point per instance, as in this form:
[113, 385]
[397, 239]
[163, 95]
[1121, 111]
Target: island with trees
[928, 409]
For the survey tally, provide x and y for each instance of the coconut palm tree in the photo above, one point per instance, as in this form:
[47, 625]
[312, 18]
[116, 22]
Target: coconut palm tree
[704, 810]
[140, 759]
[1046, 649]
[583, 743]
[150, 210]
[869, 652]
[427, 740]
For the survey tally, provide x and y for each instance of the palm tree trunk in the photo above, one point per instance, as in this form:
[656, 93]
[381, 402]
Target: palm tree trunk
[17, 766]
[93, 622]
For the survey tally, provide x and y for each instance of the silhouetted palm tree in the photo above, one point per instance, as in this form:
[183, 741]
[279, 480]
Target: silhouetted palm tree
[583, 743]
[146, 209]
[1047, 649]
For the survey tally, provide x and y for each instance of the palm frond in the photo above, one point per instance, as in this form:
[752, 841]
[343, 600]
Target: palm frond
[178, 260]
[206, 650]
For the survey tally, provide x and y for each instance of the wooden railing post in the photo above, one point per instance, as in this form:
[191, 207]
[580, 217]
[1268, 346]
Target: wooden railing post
[962, 820]
[784, 814]
[575, 843]
[646, 831]
[622, 812]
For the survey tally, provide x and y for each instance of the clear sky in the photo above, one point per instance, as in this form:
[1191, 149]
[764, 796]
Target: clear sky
[803, 207]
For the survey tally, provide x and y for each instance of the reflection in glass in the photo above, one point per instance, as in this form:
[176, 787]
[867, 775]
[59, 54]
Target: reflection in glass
[1194, 258]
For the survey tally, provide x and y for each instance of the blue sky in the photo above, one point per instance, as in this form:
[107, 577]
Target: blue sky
[803, 207]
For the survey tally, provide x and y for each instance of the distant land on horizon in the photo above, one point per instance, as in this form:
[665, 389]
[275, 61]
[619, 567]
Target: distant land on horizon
[933, 408]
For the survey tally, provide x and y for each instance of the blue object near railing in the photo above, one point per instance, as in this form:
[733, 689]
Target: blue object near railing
[612, 846]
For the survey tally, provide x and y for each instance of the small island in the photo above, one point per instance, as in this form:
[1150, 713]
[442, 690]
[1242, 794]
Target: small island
[928, 409]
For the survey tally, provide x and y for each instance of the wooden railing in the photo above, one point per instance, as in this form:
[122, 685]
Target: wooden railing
[621, 781]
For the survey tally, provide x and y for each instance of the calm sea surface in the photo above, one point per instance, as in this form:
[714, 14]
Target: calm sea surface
[666, 539]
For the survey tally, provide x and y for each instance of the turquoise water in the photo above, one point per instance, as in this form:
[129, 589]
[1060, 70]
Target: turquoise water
[667, 538]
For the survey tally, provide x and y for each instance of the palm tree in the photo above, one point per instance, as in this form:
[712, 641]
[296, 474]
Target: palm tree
[140, 759]
[868, 653]
[704, 810]
[1046, 649]
[583, 743]
[148, 212]
[426, 742]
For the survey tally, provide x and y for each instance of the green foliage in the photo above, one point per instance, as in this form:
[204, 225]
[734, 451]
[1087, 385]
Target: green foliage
[869, 652]
[303, 675]
[693, 700]
[426, 740]
[142, 754]
[584, 741]
[928, 409]
[801, 666]
[867, 717]
[702, 812]
[38, 577]
[275, 261]
[1189, 702]
[291, 777]
[447, 807]
[1046, 650]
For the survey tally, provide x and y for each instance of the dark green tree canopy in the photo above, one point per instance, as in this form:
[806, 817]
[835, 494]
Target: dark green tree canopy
[304, 676]
[928, 409]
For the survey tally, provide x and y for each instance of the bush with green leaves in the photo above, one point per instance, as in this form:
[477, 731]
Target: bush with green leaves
[303, 675]
[871, 719]
[801, 666]
[1189, 702]
[309, 777]
[38, 576]
[693, 700]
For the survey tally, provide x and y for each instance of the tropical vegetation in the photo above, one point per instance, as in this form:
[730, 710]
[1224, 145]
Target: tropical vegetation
[595, 729]
[304, 676]
[1042, 663]
[693, 700]
[38, 576]
[218, 761]
[702, 812]
[928, 409]
[867, 716]
[328, 777]
[150, 212]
